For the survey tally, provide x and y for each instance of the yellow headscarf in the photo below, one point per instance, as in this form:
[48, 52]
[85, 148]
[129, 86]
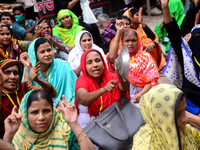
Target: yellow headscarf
[158, 107]
[59, 135]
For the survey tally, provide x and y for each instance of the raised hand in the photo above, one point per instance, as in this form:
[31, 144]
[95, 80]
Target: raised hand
[164, 3]
[119, 25]
[197, 2]
[69, 111]
[110, 86]
[34, 71]
[12, 124]
[24, 58]
[140, 20]
[1, 8]
[39, 27]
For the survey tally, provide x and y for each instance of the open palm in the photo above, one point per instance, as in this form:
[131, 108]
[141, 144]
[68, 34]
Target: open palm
[69, 111]
[164, 2]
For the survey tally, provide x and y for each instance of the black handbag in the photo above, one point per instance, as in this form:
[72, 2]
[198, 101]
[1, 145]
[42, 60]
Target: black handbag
[114, 127]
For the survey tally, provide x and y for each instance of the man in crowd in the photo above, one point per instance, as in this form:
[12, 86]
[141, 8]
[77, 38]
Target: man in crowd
[24, 28]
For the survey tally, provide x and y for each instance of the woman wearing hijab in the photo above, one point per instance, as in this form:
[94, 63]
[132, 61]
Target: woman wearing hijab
[97, 88]
[13, 90]
[10, 48]
[44, 29]
[83, 42]
[163, 109]
[183, 69]
[143, 71]
[41, 126]
[54, 71]
[148, 37]
[68, 27]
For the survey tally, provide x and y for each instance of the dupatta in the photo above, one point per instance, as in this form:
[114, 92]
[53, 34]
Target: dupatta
[59, 74]
[142, 67]
[68, 36]
[76, 53]
[88, 83]
[158, 108]
[58, 136]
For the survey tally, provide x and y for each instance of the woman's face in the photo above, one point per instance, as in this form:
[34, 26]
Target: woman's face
[45, 53]
[5, 36]
[94, 65]
[136, 18]
[130, 41]
[86, 42]
[45, 26]
[66, 21]
[126, 23]
[40, 115]
[181, 114]
[11, 78]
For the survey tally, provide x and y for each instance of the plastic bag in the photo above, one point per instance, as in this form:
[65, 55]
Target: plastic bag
[88, 16]
[127, 2]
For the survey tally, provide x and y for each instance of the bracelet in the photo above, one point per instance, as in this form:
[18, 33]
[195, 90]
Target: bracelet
[82, 138]
[79, 133]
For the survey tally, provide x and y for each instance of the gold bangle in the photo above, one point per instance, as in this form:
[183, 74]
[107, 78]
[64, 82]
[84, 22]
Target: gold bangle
[79, 133]
[82, 138]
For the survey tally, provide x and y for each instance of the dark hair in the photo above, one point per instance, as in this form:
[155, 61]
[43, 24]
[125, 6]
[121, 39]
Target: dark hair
[20, 8]
[127, 32]
[96, 52]
[134, 11]
[125, 17]
[5, 14]
[40, 41]
[37, 95]
[8, 28]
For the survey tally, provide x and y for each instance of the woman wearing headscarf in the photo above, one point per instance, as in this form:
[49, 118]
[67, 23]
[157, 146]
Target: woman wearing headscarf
[176, 9]
[148, 37]
[13, 90]
[55, 71]
[97, 88]
[163, 109]
[143, 71]
[68, 27]
[11, 48]
[44, 29]
[83, 42]
[41, 126]
[183, 69]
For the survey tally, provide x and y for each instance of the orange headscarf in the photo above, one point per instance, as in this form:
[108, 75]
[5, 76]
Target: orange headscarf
[142, 67]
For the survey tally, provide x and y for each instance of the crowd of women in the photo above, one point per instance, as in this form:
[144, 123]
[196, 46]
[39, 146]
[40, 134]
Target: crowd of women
[52, 86]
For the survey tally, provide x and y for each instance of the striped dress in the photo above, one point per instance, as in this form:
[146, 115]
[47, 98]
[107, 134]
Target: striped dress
[59, 135]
